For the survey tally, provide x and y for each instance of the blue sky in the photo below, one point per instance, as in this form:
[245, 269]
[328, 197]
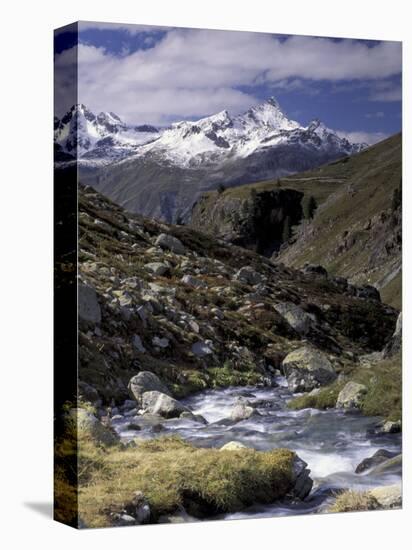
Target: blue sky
[158, 75]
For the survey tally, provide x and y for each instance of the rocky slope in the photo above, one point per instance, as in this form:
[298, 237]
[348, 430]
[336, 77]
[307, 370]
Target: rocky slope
[200, 313]
[355, 231]
[164, 177]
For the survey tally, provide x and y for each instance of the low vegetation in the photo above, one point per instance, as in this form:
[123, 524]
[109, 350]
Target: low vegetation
[354, 501]
[171, 473]
[325, 398]
[383, 381]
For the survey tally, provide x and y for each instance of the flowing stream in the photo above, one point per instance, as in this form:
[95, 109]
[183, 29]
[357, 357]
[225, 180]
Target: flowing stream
[332, 442]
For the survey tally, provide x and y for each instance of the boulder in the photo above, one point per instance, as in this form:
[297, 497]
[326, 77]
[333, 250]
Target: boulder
[155, 402]
[389, 496]
[392, 427]
[350, 397]
[188, 415]
[138, 344]
[193, 281]
[242, 410]
[233, 446]
[88, 423]
[160, 342]
[139, 508]
[316, 270]
[306, 369]
[302, 482]
[377, 458]
[201, 349]
[248, 276]
[157, 268]
[88, 305]
[368, 291]
[295, 316]
[168, 242]
[143, 382]
[390, 466]
[88, 393]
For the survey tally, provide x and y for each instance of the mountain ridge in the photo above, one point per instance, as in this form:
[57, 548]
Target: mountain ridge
[164, 176]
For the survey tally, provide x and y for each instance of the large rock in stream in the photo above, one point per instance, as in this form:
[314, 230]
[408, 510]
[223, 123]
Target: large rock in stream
[155, 402]
[306, 369]
[350, 397]
[145, 381]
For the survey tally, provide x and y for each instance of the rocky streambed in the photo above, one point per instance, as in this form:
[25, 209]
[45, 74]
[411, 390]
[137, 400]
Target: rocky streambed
[332, 442]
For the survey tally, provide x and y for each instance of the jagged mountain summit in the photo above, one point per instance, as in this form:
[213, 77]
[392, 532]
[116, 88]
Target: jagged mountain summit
[161, 172]
[220, 137]
[98, 139]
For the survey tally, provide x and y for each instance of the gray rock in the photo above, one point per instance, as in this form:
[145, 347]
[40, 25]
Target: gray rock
[195, 417]
[315, 270]
[377, 458]
[138, 344]
[88, 423]
[89, 393]
[155, 402]
[143, 382]
[139, 508]
[306, 369]
[392, 466]
[386, 427]
[233, 446]
[201, 349]
[248, 276]
[88, 305]
[295, 316]
[193, 281]
[168, 242]
[369, 292]
[389, 496]
[242, 410]
[350, 397]
[157, 268]
[123, 520]
[123, 297]
[301, 480]
[160, 342]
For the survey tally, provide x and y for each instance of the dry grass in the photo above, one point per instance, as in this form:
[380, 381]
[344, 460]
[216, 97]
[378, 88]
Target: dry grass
[354, 501]
[171, 473]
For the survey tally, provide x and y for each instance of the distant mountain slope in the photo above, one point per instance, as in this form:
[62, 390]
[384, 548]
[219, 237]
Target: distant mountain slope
[166, 176]
[357, 231]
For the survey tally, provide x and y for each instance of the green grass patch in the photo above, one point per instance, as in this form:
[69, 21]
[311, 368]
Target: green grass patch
[324, 399]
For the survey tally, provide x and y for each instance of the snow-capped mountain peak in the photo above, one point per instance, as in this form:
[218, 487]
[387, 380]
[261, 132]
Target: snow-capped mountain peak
[267, 114]
[207, 142]
[99, 139]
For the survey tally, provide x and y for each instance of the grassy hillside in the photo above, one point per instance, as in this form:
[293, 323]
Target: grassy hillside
[356, 231]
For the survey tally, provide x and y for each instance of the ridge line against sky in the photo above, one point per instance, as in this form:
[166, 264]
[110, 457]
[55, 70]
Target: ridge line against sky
[159, 75]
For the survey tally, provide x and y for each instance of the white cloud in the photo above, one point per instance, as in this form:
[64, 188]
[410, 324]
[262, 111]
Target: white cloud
[394, 94]
[197, 72]
[378, 114]
[363, 137]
